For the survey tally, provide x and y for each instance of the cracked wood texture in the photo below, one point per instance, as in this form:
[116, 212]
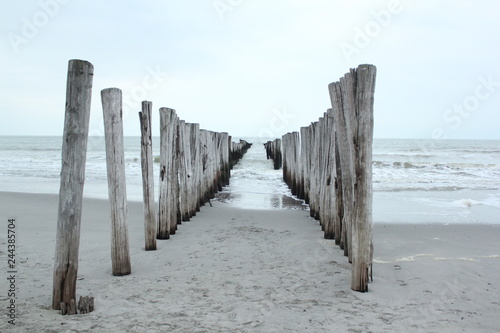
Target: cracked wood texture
[115, 162]
[74, 152]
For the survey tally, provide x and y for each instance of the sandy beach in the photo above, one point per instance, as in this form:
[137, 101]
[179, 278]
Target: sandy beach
[238, 270]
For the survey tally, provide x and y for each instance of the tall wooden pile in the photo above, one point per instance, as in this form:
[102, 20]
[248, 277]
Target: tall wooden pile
[329, 165]
[74, 153]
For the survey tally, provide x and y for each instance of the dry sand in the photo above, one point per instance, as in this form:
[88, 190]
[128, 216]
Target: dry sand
[235, 270]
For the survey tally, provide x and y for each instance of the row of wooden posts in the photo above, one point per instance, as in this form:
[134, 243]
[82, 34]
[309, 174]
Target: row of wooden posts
[273, 151]
[194, 165]
[329, 165]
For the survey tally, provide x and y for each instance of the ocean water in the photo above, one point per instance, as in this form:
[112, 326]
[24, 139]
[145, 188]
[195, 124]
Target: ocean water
[415, 181]
[444, 181]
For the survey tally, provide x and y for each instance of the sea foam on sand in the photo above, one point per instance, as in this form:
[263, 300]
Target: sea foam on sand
[237, 270]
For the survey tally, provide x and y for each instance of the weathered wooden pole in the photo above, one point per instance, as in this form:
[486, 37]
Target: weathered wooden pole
[305, 160]
[223, 148]
[363, 225]
[175, 174]
[322, 170]
[147, 177]
[216, 172]
[277, 159]
[286, 158]
[296, 163]
[339, 230]
[168, 201]
[314, 171]
[343, 128]
[328, 203]
[74, 152]
[115, 162]
[196, 169]
[205, 165]
[184, 151]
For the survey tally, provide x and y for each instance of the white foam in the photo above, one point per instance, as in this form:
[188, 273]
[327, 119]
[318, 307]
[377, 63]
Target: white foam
[465, 203]
[412, 258]
[445, 259]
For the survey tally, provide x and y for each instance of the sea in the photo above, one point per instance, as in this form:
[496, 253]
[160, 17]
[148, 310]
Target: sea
[414, 180]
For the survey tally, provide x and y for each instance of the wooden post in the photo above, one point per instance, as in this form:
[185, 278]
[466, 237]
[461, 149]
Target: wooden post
[277, 159]
[168, 201]
[346, 148]
[339, 205]
[147, 177]
[223, 147]
[183, 170]
[286, 162]
[74, 152]
[362, 228]
[196, 169]
[205, 161]
[175, 180]
[115, 160]
[330, 174]
[322, 170]
[296, 163]
[305, 160]
[315, 158]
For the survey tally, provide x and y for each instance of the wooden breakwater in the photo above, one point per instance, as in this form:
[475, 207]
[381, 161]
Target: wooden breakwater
[273, 152]
[329, 165]
[194, 165]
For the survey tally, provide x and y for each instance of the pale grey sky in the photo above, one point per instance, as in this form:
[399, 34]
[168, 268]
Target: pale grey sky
[256, 67]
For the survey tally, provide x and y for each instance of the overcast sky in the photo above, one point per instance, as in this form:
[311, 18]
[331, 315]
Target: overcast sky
[256, 67]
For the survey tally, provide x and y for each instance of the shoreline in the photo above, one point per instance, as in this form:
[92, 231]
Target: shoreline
[243, 270]
[409, 208]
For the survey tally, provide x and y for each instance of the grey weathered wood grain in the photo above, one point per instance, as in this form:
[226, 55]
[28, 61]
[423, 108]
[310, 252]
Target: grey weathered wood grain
[74, 152]
[147, 177]
[168, 201]
[117, 190]
[362, 228]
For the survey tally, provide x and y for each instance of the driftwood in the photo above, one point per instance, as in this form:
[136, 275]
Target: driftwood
[74, 150]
